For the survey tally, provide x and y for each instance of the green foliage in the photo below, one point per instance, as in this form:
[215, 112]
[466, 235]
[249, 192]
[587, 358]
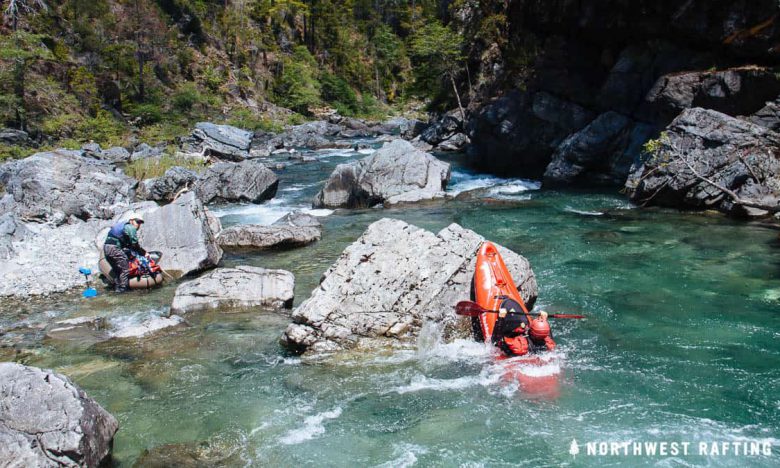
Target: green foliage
[213, 78]
[155, 167]
[103, 128]
[338, 93]
[14, 152]
[297, 86]
[653, 146]
[165, 131]
[246, 119]
[61, 125]
[436, 53]
[187, 97]
[84, 86]
[147, 113]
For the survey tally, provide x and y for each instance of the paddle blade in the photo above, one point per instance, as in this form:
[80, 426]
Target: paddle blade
[469, 309]
[566, 316]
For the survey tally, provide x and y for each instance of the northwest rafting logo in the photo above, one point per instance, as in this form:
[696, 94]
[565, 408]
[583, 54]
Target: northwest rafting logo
[742, 448]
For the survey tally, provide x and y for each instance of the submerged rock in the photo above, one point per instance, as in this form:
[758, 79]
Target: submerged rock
[63, 186]
[733, 153]
[292, 230]
[248, 181]
[223, 141]
[46, 420]
[392, 280]
[181, 231]
[396, 173]
[243, 286]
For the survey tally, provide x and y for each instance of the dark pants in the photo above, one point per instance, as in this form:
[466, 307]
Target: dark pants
[119, 264]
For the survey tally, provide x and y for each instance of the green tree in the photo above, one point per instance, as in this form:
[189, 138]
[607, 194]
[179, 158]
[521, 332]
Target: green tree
[296, 86]
[436, 51]
[22, 49]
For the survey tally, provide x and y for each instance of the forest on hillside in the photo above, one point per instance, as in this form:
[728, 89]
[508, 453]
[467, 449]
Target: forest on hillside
[122, 71]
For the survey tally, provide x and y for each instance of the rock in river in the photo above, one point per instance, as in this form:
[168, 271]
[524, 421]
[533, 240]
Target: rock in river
[243, 286]
[181, 231]
[46, 420]
[248, 181]
[704, 144]
[396, 173]
[391, 281]
[292, 230]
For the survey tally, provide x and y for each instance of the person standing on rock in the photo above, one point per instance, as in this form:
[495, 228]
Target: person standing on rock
[121, 242]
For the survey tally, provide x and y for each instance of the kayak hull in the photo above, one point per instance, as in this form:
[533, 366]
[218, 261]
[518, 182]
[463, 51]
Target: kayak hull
[492, 284]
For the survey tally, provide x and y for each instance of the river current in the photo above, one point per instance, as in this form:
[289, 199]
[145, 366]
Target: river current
[681, 344]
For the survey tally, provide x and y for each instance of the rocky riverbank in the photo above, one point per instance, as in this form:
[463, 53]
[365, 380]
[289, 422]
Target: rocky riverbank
[597, 85]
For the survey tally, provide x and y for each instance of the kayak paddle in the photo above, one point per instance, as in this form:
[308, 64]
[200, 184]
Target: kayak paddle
[472, 309]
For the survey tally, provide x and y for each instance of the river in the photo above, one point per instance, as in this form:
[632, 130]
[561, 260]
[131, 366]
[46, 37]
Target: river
[681, 344]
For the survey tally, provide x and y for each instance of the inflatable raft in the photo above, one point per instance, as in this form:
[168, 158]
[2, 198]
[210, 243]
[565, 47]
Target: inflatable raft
[144, 273]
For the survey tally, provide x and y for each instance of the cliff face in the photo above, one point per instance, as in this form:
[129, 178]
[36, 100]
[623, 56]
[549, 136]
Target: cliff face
[578, 87]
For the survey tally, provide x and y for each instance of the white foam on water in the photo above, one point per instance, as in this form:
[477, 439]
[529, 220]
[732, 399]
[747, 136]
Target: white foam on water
[583, 212]
[366, 151]
[319, 212]
[313, 426]
[515, 187]
[421, 382]
[141, 324]
[463, 182]
[405, 456]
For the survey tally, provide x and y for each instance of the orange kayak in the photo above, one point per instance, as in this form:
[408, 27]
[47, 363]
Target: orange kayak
[493, 286]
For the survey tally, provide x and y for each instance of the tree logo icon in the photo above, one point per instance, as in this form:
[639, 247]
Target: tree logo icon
[574, 449]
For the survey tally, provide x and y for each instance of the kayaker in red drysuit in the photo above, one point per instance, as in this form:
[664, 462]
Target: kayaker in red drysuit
[515, 336]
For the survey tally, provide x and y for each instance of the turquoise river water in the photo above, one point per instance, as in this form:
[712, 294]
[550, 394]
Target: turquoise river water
[681, 344]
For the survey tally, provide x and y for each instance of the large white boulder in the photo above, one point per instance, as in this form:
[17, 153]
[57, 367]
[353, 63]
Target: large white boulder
[391, 281]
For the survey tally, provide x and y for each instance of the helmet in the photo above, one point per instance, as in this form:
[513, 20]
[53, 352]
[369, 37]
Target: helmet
[540, 329]
[135, 215]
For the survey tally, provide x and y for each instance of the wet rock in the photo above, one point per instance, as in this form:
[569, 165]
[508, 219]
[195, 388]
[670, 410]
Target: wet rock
[166, 187]
[733, 153]
[592, 149]
[311, 135]
[60, 186]
[242, 286]
[147, 327]
[182, 233]
[295, 229]
[223, 141]
[247, 181]
[401, 126]
[46, 420]
[454, 143]
[48, 258]
[441, 130]
[392, 280]
[396, 173]
[214, 452]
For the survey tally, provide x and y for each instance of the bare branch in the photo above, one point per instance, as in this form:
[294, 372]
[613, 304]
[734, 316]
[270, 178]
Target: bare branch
[734, 197]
